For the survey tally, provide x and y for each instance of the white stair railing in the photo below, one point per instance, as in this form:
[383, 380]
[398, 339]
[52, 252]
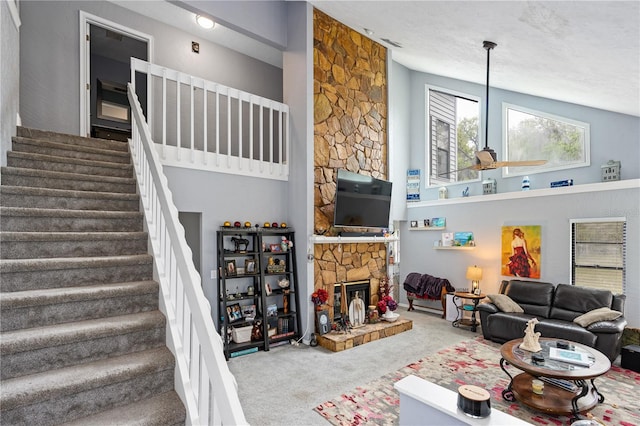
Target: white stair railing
[200, 124]
[203, 380]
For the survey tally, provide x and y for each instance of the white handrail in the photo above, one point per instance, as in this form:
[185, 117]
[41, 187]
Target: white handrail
[181, 117]
[203, 380]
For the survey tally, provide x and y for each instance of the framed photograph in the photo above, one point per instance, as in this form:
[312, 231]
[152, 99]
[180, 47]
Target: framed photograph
[249, 312]
[438, 222]
[234, 313]
[230, 268]
[414, 223]
[272, 310]
[427, 223]
[476, 292]
[275, 247]
[250, 266]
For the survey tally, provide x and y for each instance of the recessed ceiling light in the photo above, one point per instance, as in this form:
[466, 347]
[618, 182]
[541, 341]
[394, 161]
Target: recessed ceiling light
[204, 22]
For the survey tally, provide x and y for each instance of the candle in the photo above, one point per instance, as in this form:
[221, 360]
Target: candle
[537, 386]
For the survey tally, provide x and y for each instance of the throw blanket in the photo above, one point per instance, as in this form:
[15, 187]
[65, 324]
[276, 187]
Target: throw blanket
[426, 286]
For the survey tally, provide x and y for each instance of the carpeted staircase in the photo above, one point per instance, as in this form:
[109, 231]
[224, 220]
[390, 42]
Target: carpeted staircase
[81, 338]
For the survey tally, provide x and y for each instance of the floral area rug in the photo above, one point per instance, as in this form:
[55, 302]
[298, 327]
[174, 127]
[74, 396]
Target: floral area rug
[477, 362]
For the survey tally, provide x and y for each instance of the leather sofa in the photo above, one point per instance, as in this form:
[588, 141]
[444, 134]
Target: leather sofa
[555, 307]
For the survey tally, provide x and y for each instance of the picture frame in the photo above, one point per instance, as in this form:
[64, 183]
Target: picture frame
[250, 266]
[477, 291]
[234, 313]
[272, 310]
[414, 223]
[249, 312]
[230, 268]
[275, 248]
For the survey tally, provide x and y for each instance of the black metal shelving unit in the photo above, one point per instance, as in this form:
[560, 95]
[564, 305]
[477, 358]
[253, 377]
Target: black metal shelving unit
[280, 320]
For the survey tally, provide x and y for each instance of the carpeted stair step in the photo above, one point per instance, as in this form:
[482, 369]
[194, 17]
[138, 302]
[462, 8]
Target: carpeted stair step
[14, 176]
[163, 410]
[30, 160]
[17, 219]
[40, 349]
[40, 307]
[74, 392]
[38, 245]
[72, 139]
[46, 198]
[58, 149]
[31, 274]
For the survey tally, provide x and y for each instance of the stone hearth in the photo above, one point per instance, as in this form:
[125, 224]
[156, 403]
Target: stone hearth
[336, 341]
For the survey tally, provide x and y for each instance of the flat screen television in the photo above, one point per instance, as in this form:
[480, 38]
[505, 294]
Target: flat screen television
[361, 201]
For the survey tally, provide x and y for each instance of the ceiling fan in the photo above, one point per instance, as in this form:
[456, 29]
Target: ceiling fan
[486, 159]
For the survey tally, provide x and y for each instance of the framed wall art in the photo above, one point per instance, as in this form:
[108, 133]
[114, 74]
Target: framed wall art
[521, 250]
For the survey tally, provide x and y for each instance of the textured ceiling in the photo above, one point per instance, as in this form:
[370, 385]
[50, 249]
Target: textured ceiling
[584, 52]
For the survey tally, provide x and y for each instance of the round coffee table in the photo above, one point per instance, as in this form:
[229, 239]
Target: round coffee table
[554, 399]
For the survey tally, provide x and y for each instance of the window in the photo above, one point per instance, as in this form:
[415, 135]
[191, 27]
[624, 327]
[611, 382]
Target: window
[598, 253]
[535, 135]
[452, 136]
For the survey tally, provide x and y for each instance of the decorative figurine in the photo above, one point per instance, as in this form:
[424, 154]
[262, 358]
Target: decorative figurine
[239, 243]
[530, 342]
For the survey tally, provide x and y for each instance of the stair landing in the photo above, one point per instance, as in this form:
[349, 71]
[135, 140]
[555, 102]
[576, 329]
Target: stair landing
[337, 341]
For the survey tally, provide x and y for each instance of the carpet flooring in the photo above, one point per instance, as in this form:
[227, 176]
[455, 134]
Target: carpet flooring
[476, 362]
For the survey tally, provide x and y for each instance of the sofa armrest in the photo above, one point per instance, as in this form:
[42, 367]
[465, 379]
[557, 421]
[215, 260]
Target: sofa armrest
[610, 327]
[487, 307]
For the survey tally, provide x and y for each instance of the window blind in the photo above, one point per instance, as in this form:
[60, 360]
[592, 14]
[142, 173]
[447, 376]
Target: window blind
[598, 254]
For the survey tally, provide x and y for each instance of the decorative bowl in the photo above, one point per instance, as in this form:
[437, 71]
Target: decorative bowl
[390, 316]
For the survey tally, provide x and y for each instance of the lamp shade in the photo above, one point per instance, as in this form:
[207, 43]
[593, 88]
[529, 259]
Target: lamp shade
[474, 273]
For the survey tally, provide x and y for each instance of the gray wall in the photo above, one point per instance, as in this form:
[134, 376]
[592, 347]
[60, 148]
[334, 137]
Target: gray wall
[50, 41]
[613, 136]
[485, 220]
[399, 136]
[298, 94]
[9, 78]
[262, 20]
[223, 197]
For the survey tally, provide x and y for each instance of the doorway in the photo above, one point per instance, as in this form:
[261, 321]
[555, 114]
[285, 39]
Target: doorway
[106, 49]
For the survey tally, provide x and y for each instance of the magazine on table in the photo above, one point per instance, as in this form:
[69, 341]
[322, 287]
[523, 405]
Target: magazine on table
[573, 357]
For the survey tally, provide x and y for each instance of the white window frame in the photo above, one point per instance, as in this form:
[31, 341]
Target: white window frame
[430, 182]
[596, 220]
[510, 172]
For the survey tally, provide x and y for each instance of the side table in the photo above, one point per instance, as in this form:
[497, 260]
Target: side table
[458, 299]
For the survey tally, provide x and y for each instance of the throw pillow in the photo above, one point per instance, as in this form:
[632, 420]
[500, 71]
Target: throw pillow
[600, 314]
[505, 303]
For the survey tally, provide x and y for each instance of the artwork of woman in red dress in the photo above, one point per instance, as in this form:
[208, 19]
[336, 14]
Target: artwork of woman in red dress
[520, 256]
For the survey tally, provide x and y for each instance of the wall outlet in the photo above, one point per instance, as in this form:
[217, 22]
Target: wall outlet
[214, 275]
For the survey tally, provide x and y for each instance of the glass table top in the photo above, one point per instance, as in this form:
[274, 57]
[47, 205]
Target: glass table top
[548, 363]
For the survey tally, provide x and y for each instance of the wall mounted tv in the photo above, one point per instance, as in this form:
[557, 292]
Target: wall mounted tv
[361, 201]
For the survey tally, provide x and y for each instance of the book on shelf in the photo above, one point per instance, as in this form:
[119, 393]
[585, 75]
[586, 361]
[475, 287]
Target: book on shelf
[572, 357]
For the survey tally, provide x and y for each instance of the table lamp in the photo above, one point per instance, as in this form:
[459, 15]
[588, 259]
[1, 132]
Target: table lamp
[475, 275]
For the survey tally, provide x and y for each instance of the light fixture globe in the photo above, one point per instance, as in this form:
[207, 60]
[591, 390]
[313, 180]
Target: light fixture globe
[205, 22]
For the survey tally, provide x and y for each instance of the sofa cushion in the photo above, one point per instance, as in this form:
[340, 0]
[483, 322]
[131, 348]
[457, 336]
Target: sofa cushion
[571, 301]
[505, 303]
[567, 331]
[600, 314]
[507, 326]
[532, 296]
